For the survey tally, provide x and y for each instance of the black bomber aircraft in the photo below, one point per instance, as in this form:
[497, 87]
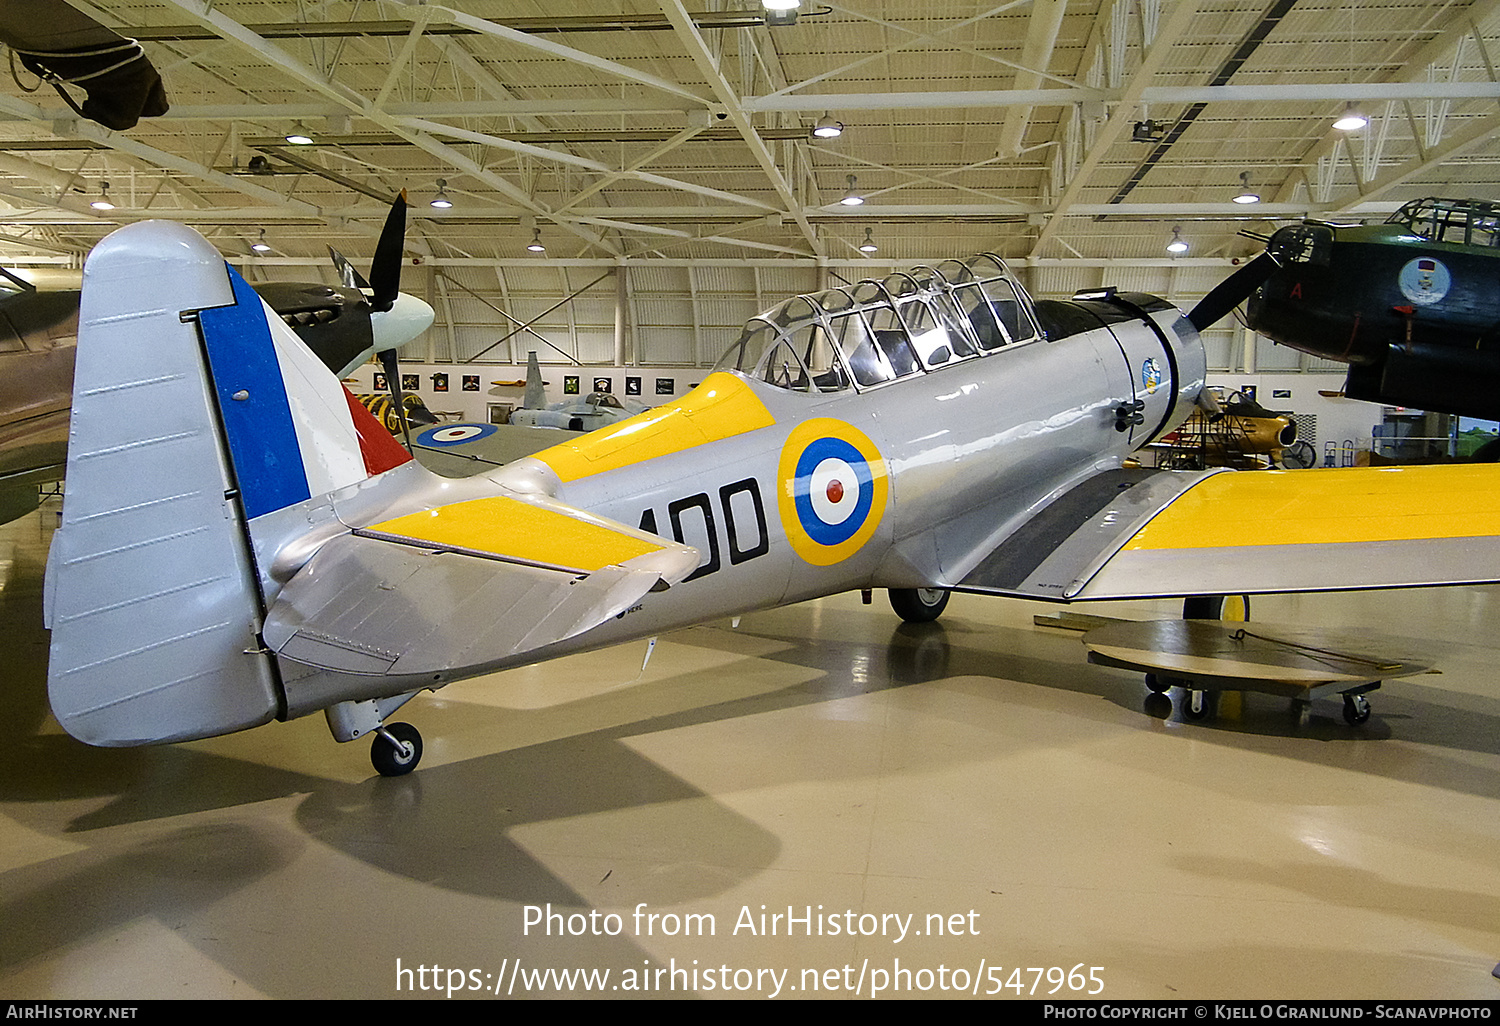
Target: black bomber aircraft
[1411, 305]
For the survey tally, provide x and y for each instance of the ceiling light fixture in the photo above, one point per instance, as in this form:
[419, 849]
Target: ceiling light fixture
[827, 128]
[852, 198]
[441, 200]
[868, 246]
[1177, 246]
[298, 136]
[103, 203]
[535, 245]
[1247, 195]
[781, 12]
[260, 245]
[1351, 120]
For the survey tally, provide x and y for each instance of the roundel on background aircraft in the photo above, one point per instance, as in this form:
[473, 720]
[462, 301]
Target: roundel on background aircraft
[832, 490]
[454, 434]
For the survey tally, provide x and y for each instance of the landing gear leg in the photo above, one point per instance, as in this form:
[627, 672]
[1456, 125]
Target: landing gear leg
[395, 748]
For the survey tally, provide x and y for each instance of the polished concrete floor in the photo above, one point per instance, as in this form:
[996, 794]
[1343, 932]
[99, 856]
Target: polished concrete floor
[976, 782]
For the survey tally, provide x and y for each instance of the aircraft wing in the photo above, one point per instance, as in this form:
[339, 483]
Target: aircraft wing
[1147, 534]
[465, 585]
[462, 450]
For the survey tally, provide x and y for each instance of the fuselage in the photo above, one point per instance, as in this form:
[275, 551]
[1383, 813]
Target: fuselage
[853, 440]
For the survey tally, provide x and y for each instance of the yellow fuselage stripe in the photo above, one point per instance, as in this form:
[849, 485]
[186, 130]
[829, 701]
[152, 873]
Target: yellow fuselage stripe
[518, 530]
[1302, 507]
[721, 407]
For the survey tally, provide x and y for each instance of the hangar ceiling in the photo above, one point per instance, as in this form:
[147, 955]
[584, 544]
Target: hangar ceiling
[662, 152]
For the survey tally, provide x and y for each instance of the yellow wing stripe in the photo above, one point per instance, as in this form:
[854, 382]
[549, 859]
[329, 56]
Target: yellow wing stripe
[1357, 504]
[721, 407]
[518, 530]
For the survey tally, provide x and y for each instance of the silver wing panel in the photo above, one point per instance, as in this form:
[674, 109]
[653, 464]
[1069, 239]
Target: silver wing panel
[1058, 551]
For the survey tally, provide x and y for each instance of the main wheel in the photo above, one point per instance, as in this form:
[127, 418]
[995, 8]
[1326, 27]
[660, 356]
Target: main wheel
[391, 761]
[919, 605]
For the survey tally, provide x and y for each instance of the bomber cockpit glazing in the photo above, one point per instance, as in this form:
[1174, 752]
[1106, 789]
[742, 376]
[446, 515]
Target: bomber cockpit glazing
[1460, 222]
[874, 332]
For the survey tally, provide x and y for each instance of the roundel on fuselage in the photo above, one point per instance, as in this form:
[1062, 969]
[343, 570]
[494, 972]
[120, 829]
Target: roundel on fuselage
[832, 488]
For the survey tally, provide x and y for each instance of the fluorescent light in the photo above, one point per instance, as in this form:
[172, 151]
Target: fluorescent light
[781, 5]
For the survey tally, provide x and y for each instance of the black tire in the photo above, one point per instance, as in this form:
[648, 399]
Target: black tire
[1356, 709]
[1199, 705]
[1214, 607]
[1156, 685]
[918, 605]
[387, 759]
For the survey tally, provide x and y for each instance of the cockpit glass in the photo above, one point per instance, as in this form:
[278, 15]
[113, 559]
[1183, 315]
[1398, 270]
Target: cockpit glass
[927, 334]
[975, 305]
[1008, 309]
[890, 339]
[815, 347]
[784, 370]
[955, 272]
[793, 311]
[745, 354]
[864, 360]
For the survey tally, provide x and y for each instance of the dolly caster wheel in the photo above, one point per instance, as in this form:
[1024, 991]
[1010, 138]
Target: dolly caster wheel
[1199, 705]
[396, 750]
[1356, 709]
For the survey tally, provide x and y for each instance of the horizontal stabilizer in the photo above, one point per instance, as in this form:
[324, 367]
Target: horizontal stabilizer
[450, 591]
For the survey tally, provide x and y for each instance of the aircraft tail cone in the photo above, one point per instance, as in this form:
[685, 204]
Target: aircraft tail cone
[1232, 291]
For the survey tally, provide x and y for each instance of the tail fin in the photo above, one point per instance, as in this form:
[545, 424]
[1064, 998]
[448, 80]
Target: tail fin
[535, 397]
[153, 597]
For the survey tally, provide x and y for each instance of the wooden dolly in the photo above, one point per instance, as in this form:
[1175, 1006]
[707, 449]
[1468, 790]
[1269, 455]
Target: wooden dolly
[1205, 657]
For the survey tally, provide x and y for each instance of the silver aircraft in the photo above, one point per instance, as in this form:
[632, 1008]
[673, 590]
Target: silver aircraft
[263, 550]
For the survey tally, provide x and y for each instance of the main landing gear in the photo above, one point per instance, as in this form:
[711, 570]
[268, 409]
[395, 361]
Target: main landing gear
[919, 605]
[395, 748]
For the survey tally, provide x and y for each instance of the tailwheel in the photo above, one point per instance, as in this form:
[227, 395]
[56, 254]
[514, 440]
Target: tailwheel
[1356, 709]
[919, 605]
[396, 749]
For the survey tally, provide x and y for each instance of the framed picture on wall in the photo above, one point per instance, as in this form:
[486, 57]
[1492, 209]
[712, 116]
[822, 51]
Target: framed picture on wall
[570, 384]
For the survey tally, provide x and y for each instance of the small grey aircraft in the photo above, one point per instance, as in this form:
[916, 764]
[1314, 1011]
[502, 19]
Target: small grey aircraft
[262, 550]
[594, 411]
